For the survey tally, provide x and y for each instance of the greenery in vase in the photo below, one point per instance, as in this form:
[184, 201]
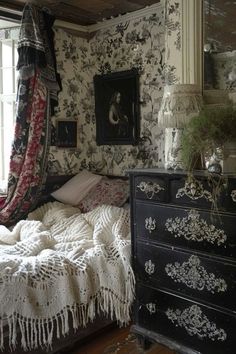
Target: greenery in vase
[211, 129]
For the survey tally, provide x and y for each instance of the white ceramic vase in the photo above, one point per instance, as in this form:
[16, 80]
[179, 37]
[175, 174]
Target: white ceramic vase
[223, 160]
[173, 159]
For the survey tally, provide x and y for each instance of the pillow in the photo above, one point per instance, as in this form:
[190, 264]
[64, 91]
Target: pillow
[73, 191]
[111, 191]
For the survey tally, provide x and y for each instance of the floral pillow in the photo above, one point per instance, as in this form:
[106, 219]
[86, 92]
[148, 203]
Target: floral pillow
[110, 191]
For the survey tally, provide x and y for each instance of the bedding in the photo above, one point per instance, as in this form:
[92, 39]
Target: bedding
[74, 190]
[87, 190]
[107, 191]
[62, 263]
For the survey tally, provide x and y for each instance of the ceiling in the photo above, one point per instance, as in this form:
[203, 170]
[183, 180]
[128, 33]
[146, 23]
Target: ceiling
[83, 12]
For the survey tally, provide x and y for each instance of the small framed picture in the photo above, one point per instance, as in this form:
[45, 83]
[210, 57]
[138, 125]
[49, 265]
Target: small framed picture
[66, 133]
[117, 108]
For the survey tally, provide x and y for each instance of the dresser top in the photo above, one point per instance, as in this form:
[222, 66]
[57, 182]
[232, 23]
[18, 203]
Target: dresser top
[163, 171]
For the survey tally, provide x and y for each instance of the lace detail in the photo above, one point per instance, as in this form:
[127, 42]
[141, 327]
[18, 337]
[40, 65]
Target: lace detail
[193, 228]
[194, 190]
[194, 275]
[196, 323]
[150, 188]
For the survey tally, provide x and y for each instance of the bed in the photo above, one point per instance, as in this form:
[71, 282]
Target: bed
[31, 316]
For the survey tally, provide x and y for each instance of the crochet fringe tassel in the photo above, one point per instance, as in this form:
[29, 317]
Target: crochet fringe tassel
[36, 332]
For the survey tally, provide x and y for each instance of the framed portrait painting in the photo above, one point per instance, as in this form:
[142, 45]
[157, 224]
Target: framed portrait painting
[117, 108]
[66, 133]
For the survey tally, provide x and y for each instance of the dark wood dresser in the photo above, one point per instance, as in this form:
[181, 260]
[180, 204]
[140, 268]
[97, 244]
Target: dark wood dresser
[184, 259]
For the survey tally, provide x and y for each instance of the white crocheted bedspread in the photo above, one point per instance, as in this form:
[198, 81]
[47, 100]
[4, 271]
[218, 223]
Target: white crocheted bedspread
[60, 261]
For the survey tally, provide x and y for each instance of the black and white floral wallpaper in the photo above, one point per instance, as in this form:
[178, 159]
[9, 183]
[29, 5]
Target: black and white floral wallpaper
[138, 43]
[143, 42]
[173, 54]
[151, 43]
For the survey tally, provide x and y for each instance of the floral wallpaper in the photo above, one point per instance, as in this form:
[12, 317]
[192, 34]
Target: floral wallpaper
[138, 43]
[173, 54]
[145, 43]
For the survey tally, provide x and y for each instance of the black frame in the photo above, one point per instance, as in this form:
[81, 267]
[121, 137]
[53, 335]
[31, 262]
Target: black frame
[66, 133]
[125, 83]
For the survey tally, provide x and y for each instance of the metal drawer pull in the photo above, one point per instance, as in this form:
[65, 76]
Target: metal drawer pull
[150, 224]
[192, 228]
[195, 322]
[194, 276]
[194, 190]
[149, 267]
[233, 195]
[150, 188]
[151, 308]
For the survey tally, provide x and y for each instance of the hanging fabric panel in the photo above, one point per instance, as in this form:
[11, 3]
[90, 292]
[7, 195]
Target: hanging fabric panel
[38, 87]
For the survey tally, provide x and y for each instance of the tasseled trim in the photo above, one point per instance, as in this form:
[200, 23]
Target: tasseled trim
[37, 332]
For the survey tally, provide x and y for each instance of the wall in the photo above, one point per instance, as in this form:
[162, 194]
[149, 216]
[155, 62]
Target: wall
[113, 49]
[225, 70]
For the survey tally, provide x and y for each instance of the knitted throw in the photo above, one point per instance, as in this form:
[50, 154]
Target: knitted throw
[61, 262]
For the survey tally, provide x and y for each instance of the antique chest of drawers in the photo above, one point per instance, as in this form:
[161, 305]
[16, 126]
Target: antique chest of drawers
[184, 259]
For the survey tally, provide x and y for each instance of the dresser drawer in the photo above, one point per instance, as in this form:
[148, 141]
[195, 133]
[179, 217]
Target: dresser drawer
[150, 188]
[189, 274]
[189, 323]
[199, 192]
[189, 228]
[196, 192]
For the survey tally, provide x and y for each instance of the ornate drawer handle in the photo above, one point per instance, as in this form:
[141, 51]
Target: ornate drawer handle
[194, 190]
[194, 276]
[193, 320]
[151, 308]
[150, 224]
[150, 188]
[233, 195]
[192, 228]
[149, 267]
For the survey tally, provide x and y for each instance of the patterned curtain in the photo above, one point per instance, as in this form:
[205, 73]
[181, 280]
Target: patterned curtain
[38, 86]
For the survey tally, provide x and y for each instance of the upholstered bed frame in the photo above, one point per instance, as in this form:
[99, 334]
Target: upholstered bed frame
[66, 343]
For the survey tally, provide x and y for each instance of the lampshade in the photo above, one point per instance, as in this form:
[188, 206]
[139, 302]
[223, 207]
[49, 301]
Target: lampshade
[180, 103]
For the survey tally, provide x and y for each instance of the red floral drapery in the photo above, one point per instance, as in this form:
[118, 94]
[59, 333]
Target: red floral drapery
[36, 96]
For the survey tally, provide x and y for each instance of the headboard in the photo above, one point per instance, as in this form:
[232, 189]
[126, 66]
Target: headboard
[54, 182]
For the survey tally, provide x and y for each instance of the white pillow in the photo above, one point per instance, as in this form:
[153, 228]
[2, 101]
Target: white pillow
[73, 191]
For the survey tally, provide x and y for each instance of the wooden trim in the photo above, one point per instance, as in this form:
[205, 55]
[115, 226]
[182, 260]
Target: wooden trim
[192, 42]
[127, 17]
[17, 10]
